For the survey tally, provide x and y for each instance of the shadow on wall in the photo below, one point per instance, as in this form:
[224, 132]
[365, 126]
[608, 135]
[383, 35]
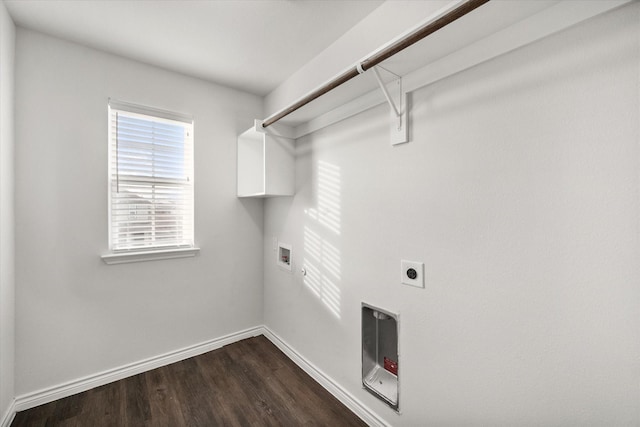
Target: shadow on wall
[321, 239]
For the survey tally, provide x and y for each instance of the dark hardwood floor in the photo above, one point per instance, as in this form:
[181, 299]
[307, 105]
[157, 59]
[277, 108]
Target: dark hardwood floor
[248, 383]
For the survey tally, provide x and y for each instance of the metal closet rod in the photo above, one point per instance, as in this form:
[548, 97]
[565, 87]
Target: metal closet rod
[377, 58]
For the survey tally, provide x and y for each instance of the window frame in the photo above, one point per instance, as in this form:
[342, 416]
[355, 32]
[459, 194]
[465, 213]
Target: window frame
[147, 253]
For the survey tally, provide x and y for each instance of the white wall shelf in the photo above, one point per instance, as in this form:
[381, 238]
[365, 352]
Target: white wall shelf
[266, 164]
[489, 31]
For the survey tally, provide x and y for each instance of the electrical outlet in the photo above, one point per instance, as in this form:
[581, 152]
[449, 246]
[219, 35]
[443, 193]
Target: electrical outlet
[412, 273]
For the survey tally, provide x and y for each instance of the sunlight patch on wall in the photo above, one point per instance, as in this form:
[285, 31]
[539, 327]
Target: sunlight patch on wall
[322, 264]
[329, 196]
[327, 212]
[311, 278]
[321, 256]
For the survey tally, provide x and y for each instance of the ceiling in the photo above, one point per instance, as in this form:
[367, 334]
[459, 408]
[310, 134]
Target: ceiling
[245, 44]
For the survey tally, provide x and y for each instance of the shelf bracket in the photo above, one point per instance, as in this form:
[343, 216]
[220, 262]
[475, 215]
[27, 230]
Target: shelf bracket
[398, 130]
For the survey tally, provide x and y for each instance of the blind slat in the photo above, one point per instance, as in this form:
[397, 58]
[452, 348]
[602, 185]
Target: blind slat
[151, 173]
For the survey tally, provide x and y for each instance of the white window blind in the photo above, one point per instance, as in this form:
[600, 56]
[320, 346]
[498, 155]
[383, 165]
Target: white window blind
[150, 179]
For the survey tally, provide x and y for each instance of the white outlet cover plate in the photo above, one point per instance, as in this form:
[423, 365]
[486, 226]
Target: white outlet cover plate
[405, 266]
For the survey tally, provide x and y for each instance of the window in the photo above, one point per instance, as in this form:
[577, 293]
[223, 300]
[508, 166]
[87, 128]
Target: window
[150, 181]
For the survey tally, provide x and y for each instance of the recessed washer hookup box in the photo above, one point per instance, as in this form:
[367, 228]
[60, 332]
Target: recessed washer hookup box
[380, 354]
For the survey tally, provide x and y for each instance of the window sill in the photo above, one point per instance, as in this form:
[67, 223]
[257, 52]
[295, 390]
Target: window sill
[126, 257]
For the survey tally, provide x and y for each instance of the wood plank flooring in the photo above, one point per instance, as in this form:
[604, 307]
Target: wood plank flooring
[248, 383]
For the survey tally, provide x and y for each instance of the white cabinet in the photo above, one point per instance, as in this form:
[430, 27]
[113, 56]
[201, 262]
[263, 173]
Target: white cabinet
[266, 164]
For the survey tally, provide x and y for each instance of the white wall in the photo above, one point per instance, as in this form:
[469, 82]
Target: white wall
[7, 246]
[520, 192]
[76, 316]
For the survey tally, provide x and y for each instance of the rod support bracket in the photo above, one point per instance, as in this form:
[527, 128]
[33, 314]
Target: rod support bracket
[276, 129]
[398, 129]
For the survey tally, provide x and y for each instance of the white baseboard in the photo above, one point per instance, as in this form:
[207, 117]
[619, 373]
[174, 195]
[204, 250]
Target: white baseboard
[40, 397]
[31, 400]
[346, 398]
[9, 415]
